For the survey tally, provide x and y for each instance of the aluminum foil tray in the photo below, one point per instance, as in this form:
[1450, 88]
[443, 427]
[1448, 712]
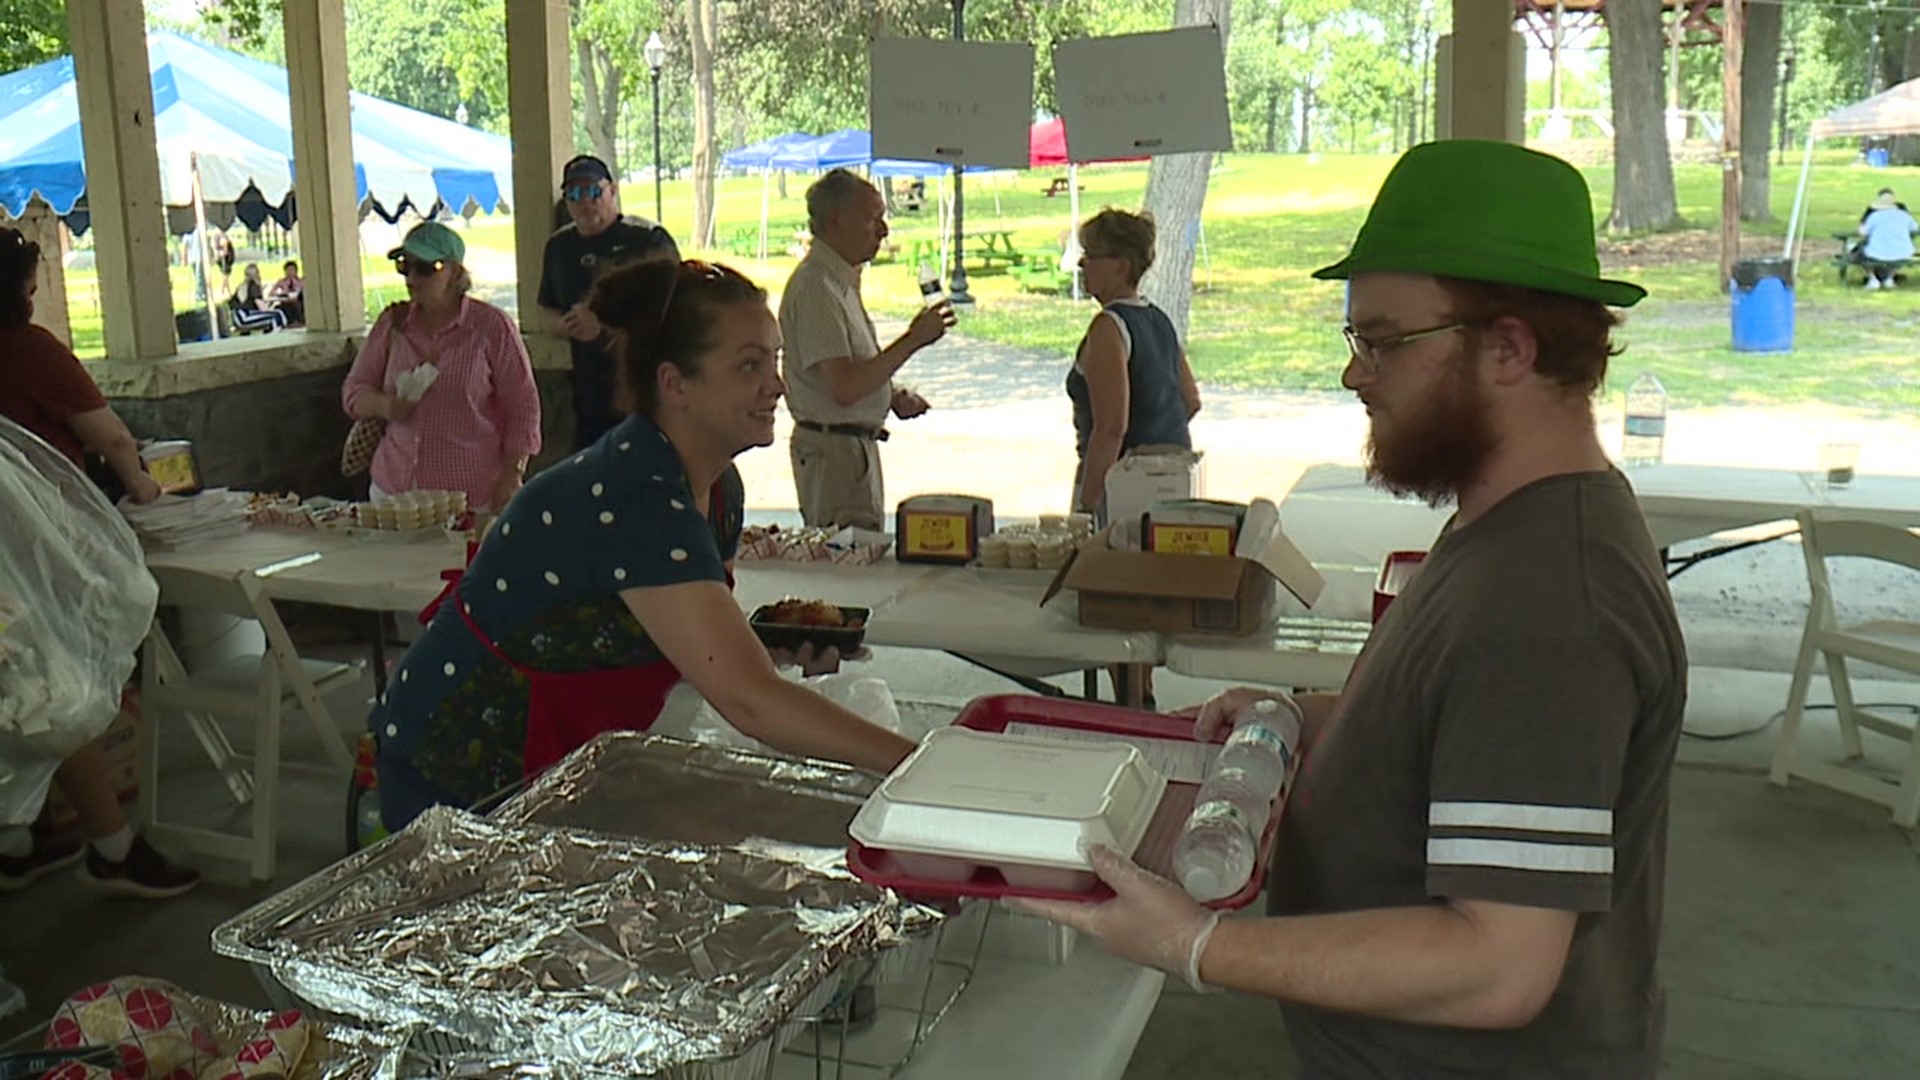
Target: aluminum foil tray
[571, 951]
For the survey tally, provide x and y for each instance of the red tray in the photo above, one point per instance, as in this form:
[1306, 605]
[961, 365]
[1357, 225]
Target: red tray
[876, 867]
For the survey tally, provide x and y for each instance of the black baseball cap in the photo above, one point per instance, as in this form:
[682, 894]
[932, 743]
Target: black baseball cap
[586, 167]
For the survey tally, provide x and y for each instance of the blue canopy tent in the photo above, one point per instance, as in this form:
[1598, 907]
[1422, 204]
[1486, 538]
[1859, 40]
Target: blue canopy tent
[222, 123]
[759, 155]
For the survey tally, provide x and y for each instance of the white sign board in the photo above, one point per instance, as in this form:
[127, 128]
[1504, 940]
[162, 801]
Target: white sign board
[957, 102]
[1140, 95]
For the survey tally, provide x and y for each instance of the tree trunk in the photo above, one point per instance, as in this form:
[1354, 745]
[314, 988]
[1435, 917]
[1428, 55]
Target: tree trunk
[1642, 170]
[600, 92]
[1273, 120]
[1306, 118]
[1176, 194]
[1906, 148]
[1759, 79]
[701, 19]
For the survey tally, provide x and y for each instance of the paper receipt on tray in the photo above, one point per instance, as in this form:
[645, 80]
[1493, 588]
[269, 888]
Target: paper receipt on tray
[1181, 761]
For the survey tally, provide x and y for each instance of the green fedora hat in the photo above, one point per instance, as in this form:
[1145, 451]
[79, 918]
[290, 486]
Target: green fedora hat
[1485, 211]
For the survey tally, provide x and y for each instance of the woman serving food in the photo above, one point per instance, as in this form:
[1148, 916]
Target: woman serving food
[607, 579]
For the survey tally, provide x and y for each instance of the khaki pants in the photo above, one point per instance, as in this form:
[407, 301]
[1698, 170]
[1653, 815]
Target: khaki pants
[838, 479]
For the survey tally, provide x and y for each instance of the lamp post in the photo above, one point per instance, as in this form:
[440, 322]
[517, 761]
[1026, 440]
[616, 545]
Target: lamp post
[655, 51]
[957, 282]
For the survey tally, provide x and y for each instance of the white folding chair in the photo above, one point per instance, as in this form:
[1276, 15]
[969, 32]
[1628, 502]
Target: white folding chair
[255, 689]
[1891, 642]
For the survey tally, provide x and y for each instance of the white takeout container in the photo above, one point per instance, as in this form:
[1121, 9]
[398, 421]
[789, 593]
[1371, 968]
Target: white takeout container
[1025, 806]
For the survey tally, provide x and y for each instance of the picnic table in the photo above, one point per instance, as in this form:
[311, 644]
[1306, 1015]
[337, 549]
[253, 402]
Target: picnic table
[989, 249]
[1057, 186]
[1845, 258]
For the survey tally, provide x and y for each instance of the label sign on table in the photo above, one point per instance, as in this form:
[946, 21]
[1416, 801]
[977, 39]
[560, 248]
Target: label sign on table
[1143, 94]
[955, 102]
[938, 535]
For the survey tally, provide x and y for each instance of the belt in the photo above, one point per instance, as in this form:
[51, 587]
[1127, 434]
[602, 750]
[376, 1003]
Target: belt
[878, 434]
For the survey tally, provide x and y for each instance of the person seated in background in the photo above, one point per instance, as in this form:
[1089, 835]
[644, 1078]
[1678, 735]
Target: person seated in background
[1881, 200]
[249, 308]
[1886, 239]
[288, 295]
[44, 388]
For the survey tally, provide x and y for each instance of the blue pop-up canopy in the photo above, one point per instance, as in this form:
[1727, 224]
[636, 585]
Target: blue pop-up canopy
[759, 155]
[226, 117]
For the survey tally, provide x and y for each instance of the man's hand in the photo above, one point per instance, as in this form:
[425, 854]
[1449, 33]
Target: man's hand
[1150, 920]
[1218, 712]
[503, 488]
[907, 404]
[930, 325]
[809, 659]
[143, 489]
[398, 409]
[581, 324]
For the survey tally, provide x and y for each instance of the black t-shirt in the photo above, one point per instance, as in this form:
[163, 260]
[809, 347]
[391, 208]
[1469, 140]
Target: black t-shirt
[568, 270]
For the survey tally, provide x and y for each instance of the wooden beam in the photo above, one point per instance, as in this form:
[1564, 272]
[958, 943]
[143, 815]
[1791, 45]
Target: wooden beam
[1733, 39]
[316, 32]
[114, 88]
[539, 110]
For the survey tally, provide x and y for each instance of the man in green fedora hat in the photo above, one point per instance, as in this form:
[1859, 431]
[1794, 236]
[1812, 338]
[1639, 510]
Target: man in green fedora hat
[1468, 876]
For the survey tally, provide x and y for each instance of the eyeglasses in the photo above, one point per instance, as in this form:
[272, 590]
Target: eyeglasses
[406, 267]
[583, 191]
[1369, 351]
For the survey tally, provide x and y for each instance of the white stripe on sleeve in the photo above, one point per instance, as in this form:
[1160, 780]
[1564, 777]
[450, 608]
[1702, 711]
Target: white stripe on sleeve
[1531, 817]
[1521, 855]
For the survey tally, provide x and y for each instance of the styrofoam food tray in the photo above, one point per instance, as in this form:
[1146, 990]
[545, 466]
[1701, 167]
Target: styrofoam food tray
[1024, 806]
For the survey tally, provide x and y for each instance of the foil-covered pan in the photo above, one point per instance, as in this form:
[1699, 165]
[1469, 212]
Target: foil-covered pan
[570, 950]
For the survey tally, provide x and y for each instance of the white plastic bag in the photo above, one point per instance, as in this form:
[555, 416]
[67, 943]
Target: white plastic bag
[864, 695]
[75, 602]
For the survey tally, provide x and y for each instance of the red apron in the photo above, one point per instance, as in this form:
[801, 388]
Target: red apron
[565, 711]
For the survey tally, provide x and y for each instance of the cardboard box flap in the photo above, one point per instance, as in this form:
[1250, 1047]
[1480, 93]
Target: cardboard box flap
[1139, 573]
[1262, 541]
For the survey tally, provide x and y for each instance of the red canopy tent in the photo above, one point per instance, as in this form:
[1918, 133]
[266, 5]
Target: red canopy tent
[1047, 145]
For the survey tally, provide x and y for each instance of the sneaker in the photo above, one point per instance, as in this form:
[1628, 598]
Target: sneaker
[19, 871]
[1873, 283]
[145, 873]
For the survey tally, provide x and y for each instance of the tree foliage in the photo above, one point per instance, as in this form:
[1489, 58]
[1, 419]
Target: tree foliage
[36, 31]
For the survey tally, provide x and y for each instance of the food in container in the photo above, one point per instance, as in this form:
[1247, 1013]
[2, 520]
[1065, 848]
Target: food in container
[968, 802]
[791, 623]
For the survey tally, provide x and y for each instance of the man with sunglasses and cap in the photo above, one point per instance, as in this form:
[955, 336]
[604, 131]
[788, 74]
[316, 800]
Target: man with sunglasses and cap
[1468, 877]
[598, 239]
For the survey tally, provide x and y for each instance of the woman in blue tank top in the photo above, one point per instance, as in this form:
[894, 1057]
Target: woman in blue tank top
[1130, 384]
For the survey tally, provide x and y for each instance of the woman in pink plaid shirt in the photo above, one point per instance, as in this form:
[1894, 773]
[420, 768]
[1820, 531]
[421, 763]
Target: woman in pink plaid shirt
[478, 422]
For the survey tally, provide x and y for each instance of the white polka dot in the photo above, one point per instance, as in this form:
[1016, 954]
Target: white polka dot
[678, 554]
[546, 517]
[606, 517]
[405, 674]
[506, 528]
[449, 669]
[579, 458]
[598, 488]
[677, 504]
[393, 731]
[619, 573]
[657, 478]
[500, 583]
[552, 578]
[626, 446]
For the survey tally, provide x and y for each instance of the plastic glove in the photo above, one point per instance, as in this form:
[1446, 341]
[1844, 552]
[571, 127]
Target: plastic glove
[810, 659]
[1150, 920]
[1219, 711]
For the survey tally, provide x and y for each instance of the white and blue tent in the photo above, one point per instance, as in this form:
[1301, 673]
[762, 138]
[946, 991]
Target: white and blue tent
[227, 118]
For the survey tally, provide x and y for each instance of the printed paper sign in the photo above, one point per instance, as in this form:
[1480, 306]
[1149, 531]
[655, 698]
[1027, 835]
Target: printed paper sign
[955, 102]
[1141, 95]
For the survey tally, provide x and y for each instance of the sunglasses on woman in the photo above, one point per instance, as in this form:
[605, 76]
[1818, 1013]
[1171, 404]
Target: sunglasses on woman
[406, 267]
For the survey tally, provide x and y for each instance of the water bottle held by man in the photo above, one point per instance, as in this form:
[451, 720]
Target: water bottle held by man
[931, 291]
[1215, 855]
[1646, 427]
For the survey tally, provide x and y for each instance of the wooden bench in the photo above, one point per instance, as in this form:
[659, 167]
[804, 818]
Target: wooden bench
[1058, 186]
[1844, 260]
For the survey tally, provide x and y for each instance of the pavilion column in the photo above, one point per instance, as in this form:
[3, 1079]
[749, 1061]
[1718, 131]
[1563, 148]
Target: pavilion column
[540, 118]
[323, 164]
[115, 91]
[1481, 75]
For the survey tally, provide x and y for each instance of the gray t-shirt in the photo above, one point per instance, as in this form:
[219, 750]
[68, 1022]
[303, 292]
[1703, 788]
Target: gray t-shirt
[1507, 735]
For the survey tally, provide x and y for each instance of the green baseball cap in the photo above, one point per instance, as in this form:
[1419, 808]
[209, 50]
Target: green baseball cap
[1485, 211]
[429, 241]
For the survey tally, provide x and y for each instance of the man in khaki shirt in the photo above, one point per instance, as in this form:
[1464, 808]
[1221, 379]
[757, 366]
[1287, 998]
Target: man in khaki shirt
[839, 380]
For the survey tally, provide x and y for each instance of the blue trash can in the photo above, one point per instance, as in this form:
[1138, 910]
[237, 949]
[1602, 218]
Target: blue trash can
[1762, 293]
[1877, 157]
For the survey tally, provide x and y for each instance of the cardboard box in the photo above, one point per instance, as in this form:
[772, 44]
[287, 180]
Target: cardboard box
[1189, 594]
[121, 744]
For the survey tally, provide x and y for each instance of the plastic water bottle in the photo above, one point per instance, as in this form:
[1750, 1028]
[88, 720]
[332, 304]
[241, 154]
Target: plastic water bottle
[931, 291]
[1214, 856]
[1646, 427]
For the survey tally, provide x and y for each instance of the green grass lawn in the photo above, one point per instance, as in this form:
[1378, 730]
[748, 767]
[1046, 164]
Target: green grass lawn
[1259, 322]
